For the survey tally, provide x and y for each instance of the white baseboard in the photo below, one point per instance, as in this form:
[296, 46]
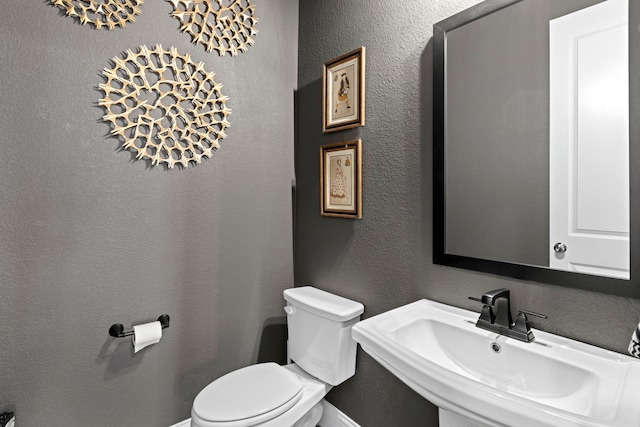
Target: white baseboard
[333, 417]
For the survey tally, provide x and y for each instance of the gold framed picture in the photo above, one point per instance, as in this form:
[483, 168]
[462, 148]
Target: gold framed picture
[343, 91]
[341, 179]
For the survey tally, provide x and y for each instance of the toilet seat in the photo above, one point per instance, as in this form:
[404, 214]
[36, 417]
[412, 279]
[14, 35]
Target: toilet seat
[247, 397]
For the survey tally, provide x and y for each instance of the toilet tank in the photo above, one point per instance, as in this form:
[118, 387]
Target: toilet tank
[319, 325]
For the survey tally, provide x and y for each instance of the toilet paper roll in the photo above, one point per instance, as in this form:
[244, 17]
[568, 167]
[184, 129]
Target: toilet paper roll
[146, 334]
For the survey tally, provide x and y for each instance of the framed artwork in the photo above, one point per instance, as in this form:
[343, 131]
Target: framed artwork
[343, 91]
[341, 179]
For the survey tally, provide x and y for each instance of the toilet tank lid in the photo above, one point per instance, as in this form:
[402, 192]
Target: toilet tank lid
[323, 303]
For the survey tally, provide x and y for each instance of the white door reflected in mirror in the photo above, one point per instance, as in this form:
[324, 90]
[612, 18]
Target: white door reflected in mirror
[589, 140]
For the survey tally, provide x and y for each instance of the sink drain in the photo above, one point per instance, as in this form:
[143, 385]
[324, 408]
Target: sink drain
[495, 347]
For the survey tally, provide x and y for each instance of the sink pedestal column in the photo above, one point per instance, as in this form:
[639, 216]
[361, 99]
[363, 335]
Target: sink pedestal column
[450, 419]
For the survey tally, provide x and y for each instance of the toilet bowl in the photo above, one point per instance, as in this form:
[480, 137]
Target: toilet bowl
[265, 395]
[269, 395]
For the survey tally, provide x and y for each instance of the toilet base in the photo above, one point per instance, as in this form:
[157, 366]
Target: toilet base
[331, 417]
[311, 418]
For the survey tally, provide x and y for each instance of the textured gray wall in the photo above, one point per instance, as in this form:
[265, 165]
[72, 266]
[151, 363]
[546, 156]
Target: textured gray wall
[384, 260]
[89, 237]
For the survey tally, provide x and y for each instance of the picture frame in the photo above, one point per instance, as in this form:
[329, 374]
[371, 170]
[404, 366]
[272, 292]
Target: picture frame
[343, 91]
[341, 179]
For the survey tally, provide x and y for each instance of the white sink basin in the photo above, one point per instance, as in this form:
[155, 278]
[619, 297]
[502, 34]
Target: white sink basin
[438, 351]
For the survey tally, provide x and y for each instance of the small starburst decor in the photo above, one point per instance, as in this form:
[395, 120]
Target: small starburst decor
[227, 26]
[164, 107]
[101, 13]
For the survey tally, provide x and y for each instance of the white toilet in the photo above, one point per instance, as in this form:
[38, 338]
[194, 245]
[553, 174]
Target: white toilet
[270, 395]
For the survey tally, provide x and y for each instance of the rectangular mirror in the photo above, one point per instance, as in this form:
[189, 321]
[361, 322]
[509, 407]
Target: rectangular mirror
[531, 141]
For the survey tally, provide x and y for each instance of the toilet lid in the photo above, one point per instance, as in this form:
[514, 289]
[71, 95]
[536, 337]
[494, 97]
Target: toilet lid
[248, 392]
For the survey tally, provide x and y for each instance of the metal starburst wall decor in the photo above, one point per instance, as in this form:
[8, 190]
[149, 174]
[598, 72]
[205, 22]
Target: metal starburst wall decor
[227, 26]
[101, 13]
[164, 107]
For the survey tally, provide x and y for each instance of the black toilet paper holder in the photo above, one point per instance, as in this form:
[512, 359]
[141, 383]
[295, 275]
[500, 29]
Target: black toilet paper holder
[117, 330]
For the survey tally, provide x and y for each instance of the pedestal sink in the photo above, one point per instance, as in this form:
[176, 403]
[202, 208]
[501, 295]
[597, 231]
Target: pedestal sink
[437, 350]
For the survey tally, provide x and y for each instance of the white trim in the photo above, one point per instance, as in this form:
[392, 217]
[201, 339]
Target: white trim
[333, 417]
[185, 423]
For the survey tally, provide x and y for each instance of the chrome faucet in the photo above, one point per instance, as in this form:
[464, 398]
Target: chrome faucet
[496, 316]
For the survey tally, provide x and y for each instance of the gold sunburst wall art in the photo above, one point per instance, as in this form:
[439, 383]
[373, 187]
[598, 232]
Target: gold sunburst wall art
[227, 26]
[101, 13]
[164, 107]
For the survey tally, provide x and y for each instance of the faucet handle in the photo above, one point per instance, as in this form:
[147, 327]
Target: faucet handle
[522, 323]
[532, 313]
[486, 315]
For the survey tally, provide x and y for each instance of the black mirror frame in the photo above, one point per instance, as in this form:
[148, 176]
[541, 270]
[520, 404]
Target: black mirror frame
[626, 288]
